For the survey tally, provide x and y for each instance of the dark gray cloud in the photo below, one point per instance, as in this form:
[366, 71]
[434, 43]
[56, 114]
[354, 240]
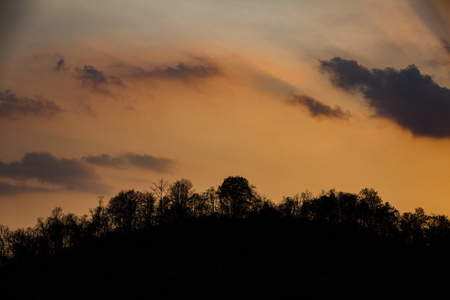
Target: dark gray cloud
[65, 173]
[182, 71]
[60, 65]
[317, 108]
[13, 107]
[89, 76]
[445, 45]
[142, 161]
[412, 100]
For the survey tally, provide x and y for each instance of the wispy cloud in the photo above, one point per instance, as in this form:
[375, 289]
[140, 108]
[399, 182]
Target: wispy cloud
[434, 15]
[202, 68]
[14, 107]
[91, 77]
[317, 108]
[183, 71]
[7, 188]
[64, 173]
[412, 100]
[142, 161]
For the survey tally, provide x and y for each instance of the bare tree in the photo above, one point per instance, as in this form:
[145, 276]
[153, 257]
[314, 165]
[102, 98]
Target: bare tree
[160, 189]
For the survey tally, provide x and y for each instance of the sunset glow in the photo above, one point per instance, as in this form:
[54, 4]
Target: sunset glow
[102, 96]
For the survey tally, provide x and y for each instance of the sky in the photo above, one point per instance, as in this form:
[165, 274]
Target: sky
[102, 96]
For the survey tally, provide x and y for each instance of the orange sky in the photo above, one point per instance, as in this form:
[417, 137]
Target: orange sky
[99, 97]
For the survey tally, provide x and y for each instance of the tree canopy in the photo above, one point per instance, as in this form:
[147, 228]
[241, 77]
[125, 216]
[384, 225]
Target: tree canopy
[235, 198]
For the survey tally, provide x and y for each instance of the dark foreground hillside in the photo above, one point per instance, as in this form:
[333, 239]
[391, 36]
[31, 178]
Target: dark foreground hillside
[213, 258]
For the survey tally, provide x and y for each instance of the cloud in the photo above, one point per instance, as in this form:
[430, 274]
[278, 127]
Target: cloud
[19, 188]
[434, 15]
[89, 76]
[412, 100]
[182, 71]
[445, 45]
[317, 108]
[13, 107]
[60, 65]
[269, 84]
[148, 162]
[66, 174]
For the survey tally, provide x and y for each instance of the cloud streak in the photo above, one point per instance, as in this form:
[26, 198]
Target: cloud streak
[147, 162]
[317, 108]
[434, 15]
[19, 188]
[66, 174]
[412, 100]
[13, 107]
[182, 71]
[91, 77]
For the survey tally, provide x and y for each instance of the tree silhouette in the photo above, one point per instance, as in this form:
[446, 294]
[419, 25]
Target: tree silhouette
[437, 232]
[181, 200]
[160, 189]
[23, 245]
[130, 210]
[228, 242]
[211, 196]
[413, 227]
[5, 245]
[146, 208]
[235, 196]
[55, 230]
[100, 221]
[290, 206]
[201, 206]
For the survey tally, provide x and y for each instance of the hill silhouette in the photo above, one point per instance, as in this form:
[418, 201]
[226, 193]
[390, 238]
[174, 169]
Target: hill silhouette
[332, 245]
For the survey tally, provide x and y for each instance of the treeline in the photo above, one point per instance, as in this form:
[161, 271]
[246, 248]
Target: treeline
[235, 198]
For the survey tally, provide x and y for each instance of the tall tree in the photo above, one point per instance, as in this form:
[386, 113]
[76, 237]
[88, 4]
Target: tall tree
[130, 210]
[55, 230]
[146, 209]
[180, 195]
[123, 210]
[100, 222]
[211, 196]
[235, 196]
[160, 189]
[413, 226]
